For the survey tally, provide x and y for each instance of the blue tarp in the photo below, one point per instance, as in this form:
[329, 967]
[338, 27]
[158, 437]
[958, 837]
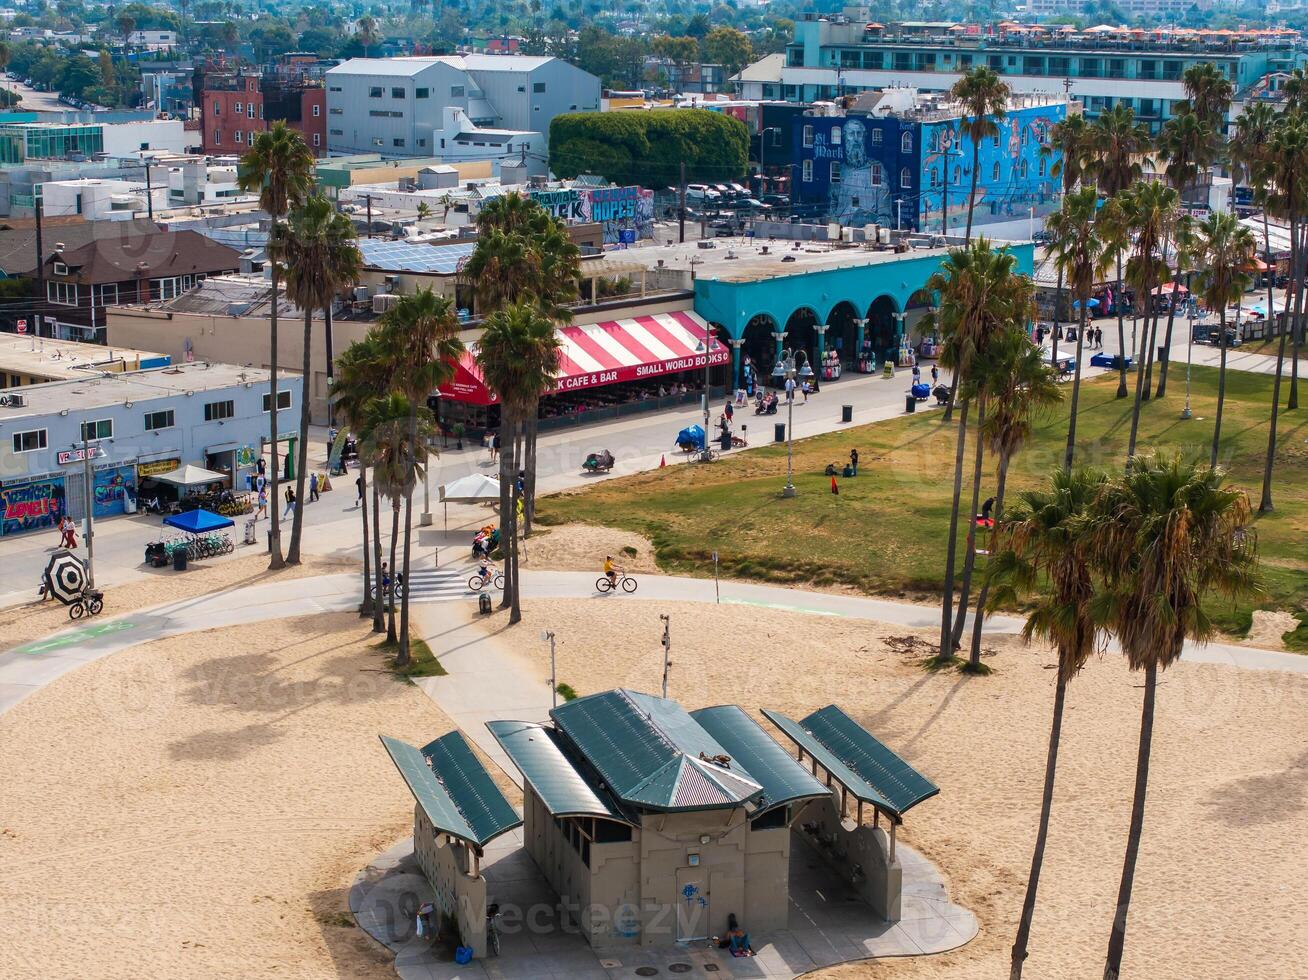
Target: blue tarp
[198, 521]
[691, 435]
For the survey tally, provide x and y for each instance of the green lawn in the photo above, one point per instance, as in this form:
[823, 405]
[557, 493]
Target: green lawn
[885, 531]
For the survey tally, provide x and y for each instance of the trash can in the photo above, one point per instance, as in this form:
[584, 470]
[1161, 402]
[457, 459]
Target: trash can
[725, 441]
[484, 604]
[179, 560]
[910, 403]
[847, 413]
[779, 432]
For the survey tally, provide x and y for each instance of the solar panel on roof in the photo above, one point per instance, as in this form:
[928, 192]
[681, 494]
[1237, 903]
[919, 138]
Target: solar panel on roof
[409, 257]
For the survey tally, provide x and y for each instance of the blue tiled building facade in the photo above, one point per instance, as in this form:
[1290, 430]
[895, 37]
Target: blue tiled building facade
[899, 170]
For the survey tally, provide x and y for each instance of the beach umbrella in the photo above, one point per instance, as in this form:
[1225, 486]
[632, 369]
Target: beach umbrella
[1090, 304]
[67, 576]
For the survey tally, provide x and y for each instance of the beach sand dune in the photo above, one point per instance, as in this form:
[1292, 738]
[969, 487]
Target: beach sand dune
[197, 807]
[1219, 888]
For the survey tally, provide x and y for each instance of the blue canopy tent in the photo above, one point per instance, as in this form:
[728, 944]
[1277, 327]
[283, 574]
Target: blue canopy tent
[198, 521]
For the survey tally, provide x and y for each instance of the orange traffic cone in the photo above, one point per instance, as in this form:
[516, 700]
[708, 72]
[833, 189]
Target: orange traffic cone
[663, 462]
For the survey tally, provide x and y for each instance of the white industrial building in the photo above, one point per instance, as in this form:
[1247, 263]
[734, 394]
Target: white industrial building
[129, 138]
[397, 106]
[97, 199]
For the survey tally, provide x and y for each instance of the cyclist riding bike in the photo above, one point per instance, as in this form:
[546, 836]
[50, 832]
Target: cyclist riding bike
[610, 570]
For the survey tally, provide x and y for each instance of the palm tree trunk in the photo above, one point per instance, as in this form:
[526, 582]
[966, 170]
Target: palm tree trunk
[391, 635]
[951, 546]
[1076, 393]
[403, 657]
[1165, 355]
[529, 481]
[1121, 333]
[1117, 940]
[1150, 344]
[969, 555]
[1042, 835]
[1221, 393]
[1058, 303]
[506, 499]
[1001, 484]
[379, 602]
[365, 607]
[1265, 504]
[302, 462]
[1141, 385]
[971, 198]
[274, 512]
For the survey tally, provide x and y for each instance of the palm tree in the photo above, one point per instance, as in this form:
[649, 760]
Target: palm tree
[518, 355]
[1117, 142]
[422, 333]
[388, 447]
[1069, 144]
[1189, 145]
[1280, 164]
[1163, 539]
[1225, 248]
[1081, 255]
[1046, 552]
[363, 370]
[985, 97]
[279, 168]
[1208, 92]
[424, 210]
[369, 34]
[980, 294]
[1149, 212]
[1022, 386]
[317, 248]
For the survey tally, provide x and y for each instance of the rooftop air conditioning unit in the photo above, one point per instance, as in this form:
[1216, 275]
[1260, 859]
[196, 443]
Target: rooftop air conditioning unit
[383, 302]
[13, 400]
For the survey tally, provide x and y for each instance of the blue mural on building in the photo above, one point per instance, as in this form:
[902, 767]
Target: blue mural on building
[899, 171]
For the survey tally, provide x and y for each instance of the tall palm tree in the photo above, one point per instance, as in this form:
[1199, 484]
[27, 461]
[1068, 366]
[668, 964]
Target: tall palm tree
[387, 446]
[1208, 93]
[317, 248]
[1081, 256]
[1022, 386]
[279, 168]
[1149, 212]
[1281, 165]
[985, 98]
[1046, 553]
[1117, 143]
[1189, 145]
[422, 333]
[1163, 539]
[1070, 146]
[518, 355]
[1224, 250]
[364, 370]
[980, 293]
[369, 34]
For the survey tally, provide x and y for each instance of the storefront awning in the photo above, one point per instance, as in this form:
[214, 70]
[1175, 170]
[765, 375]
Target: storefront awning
[595, 354]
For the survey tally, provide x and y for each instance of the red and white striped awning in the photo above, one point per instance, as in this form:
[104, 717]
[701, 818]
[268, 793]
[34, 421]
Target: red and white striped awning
[595, 354]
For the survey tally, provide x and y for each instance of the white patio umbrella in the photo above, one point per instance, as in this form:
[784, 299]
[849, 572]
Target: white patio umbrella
[67, 576]
[475, 488]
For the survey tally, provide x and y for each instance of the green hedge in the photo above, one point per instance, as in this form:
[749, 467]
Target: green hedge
[648, 148]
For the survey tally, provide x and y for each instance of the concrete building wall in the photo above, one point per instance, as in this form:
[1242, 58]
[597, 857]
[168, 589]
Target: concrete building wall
[681, 900]
[361, 121]
[514, 94]
[129, 138]
[767, 880]
[860, 853]
[459, 896]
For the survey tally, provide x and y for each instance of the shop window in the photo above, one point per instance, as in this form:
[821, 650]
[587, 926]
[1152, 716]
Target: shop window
[98, 429]
[217, 411]
[159, 420]
[30, 441]
[283, 401]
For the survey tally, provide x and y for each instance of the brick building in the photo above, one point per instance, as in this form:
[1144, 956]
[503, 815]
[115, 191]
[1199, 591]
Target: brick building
[235, 104]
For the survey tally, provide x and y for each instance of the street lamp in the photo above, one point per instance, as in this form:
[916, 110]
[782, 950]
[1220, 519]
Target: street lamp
[790, 365]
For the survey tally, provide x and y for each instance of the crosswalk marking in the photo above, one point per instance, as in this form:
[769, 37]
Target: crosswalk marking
[439, 584]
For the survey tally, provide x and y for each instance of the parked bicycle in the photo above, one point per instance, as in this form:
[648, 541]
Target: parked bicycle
[492, 933]
[621, 581]
[90, 602]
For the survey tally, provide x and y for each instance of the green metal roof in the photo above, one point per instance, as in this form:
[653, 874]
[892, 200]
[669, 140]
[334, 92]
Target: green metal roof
[651, 753]
[453, 788]
[783, 779]
[865, 766]
[539, 754]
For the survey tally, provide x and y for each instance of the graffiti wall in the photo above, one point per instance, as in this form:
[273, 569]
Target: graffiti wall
[32, 505]
[627, 213]
[111, 485]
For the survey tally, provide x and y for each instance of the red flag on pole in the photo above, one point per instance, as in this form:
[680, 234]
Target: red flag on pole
[834, 488]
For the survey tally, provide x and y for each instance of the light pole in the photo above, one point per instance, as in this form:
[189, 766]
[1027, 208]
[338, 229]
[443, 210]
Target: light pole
[667, 651]
[1189, 352]
[88, 502]
[554, 678]
[790, 365]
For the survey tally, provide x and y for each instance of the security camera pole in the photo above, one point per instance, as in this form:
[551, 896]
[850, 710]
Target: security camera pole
[667, 651]
[554, 678]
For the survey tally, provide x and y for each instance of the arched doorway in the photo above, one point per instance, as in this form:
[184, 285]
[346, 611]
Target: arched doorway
[842, 335]
[918, 305]
[800, 334]
[882, 330]
[759, 350]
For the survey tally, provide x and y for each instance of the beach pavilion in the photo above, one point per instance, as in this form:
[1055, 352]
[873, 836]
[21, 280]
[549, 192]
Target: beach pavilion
[653, 824]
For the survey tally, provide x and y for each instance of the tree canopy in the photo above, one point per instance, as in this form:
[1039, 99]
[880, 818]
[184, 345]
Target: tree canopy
[649, 147]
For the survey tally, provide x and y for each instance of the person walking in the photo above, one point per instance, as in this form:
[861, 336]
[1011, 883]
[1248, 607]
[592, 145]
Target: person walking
[262, 511]
[290, 502]
[729, 411]
[917, 374]
[313, 487]
[495, 447]
[853, 462]
[69, 533]
[358, 489]
[935, 375]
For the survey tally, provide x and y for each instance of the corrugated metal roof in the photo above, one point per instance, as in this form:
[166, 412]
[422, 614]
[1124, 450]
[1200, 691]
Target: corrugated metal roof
[866, 767]
[539, 755]
[783, 779]
[453, 788]
[651, 753]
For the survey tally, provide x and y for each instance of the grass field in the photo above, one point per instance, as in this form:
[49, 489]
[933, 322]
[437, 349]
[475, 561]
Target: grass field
[885, 532]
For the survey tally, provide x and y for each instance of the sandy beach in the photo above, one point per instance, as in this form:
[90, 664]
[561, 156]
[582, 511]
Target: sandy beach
[197, 807]
[1219, 888]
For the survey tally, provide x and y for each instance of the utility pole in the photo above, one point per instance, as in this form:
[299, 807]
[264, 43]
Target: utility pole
[708, 351]
[88, 501]
[681, 211]
[554, 677]
[667, 651]
[40, 265]
[327, 331]
[149, 192]
[368, 198]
